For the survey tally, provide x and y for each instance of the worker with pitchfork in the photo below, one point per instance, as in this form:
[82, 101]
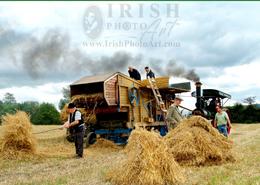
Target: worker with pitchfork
[77, 128]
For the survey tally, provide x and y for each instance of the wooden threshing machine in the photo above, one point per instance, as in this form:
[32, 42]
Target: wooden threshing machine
[114, 104]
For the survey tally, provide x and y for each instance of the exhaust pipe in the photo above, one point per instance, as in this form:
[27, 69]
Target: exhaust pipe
[198, 95]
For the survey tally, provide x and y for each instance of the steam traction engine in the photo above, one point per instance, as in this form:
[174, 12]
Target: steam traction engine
[207, 99]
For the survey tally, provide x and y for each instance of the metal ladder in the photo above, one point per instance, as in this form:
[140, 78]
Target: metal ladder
[157, 96]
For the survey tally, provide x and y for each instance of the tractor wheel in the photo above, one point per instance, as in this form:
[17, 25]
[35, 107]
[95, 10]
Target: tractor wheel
[91, 139]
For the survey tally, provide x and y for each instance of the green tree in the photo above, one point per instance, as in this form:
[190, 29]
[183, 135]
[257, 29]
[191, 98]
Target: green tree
[8, 105]
[249, 100]
[66, 97]
[62, 103]
[29, 106]
[46, 114]
[66, 92]
[9, 98]
[250, 114]
[236, 113]
[244, 114]
[1, 111]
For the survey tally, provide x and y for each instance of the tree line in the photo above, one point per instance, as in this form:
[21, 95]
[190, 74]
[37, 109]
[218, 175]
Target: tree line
[40, 113]
[244, 113]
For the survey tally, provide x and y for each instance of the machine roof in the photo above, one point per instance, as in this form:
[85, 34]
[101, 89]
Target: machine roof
[93, 79]
[99, 78]
[215, 93]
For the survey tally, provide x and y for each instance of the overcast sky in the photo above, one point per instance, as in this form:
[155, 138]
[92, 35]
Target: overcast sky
[45, 46]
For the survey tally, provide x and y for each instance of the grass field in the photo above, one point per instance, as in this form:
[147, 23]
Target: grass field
[55, 164]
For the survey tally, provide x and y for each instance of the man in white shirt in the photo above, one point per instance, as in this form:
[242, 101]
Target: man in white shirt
[76, 125]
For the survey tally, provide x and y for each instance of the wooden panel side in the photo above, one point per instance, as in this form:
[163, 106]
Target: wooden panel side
[139, 111]
[124, 96]
[143, 103]
[125, 84]
[110, 91]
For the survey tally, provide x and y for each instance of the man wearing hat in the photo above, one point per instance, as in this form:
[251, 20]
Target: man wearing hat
[76, 125]
[174, 116]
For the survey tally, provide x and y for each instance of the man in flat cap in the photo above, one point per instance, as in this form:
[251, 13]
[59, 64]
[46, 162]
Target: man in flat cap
[76, 125]
[174, 116]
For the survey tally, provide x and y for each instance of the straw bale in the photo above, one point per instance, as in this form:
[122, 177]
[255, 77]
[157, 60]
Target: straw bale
[148, 162]
[195, 142]
[17, 139]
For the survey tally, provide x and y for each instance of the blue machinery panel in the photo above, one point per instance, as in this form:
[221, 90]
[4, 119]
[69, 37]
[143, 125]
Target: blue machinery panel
[115, 135]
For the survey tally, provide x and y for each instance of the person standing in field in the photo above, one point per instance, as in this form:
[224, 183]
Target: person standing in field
[174, 116]
[76, 125]
[221, 121]
[149, 73]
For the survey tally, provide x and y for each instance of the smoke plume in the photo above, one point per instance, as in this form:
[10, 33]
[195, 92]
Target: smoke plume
[43, 55]
[53, 53]
[173, 69]
[54, 56]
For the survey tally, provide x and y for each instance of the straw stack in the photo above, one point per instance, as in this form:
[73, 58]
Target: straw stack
[195, 142]
[148, 162]
[17, 139]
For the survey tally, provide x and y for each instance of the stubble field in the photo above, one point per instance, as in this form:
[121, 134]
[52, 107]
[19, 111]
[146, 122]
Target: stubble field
[55, 162]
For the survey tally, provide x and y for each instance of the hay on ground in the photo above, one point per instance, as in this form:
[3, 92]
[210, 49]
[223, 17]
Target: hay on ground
[104, 143]
[17, 139]
[195, 142]
[148, 162]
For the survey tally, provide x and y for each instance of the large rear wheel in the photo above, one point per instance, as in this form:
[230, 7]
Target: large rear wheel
[91, 139]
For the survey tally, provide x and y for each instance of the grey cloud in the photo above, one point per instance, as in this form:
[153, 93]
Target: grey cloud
[205, 35]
